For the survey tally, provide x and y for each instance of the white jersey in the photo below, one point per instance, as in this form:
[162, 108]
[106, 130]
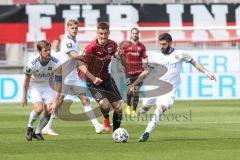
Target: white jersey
[69, 65]
[173, 63]
[40, 74]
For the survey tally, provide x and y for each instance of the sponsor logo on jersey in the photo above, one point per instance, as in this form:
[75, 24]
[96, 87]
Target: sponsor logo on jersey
[134, 53]
[169, 64]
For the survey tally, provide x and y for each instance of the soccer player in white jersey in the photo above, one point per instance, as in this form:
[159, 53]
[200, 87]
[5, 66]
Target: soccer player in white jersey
[172, 59]
[70, 58]
[37, 74]
[55, 52]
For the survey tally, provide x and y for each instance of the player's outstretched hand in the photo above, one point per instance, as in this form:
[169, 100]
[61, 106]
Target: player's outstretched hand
[97, 81]
[24, 101]
[212, 76]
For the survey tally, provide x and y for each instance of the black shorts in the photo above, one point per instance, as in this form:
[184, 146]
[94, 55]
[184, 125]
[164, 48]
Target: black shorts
[107, 89]
[131, 78]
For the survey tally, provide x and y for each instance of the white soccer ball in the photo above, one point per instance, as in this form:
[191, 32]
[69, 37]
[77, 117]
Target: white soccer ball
[120, 135]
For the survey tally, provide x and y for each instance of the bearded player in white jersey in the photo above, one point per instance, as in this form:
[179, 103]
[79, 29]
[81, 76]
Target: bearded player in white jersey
[70, 58]
[172, 59]
[37, 74]
[55, 52]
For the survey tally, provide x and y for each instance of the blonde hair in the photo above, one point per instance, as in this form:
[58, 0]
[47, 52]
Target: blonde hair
[72, 22]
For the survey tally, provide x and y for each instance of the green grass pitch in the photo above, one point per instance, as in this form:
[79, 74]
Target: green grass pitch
[191, 130]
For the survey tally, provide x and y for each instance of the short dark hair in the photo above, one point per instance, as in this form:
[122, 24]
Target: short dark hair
[135, 28]
[165, 36]
[42, 43]
[103, 25]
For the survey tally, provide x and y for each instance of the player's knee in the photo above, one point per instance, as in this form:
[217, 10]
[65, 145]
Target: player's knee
[85, 100]
[105, 103]
[38, 110]
[161, 107]
[117, 107]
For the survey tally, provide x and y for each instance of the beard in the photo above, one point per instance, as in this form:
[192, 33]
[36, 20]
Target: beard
[166, 50]
[135, 39]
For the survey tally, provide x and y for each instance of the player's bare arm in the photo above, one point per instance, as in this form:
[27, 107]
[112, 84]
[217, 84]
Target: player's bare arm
[75, 55]
[83, 68]
[120, 55]
[58, 89]
[140, 78]
[145, 62]
[25, 89]
[203, 70]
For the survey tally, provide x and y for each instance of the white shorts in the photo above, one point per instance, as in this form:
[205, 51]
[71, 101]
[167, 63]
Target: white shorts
[41, 93]
[166, 100]
[74, 87]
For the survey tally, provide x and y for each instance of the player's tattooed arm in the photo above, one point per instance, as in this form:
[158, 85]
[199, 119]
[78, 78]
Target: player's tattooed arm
[145, 62]
[25, 89]
[140, 78]
[202, 69]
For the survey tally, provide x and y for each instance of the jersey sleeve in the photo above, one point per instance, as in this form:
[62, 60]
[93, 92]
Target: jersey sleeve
[186, 57]
[88, 54]
[88, 50]
[28, 69]
[68, 46]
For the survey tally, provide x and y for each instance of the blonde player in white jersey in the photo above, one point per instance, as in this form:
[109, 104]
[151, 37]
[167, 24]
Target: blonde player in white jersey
[172, 59]
[37, 75]
[70, 58]
[55, 52]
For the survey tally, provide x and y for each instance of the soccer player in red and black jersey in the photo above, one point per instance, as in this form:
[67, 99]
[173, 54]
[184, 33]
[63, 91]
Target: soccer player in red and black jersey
[98, 56]
[137, 59]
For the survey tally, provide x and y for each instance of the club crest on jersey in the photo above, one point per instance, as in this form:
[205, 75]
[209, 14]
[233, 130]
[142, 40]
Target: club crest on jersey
[177, 57]
[28, 70]
[69, 45]
[139, 49]
[49, 68]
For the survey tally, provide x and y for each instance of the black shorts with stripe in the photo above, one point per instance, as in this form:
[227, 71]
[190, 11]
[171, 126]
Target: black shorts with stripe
[107, 89]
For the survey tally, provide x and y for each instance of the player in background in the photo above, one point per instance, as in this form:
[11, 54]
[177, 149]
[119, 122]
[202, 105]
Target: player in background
[98, 56]
[135, 52]
[55, 52]
[37, 74]
[172, 59]
[70, 57]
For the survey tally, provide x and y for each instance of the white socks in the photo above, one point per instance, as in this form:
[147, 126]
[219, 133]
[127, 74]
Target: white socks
[91, 115]
[32, 118]
[43, 121]
[155, 120]
[49, 124]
